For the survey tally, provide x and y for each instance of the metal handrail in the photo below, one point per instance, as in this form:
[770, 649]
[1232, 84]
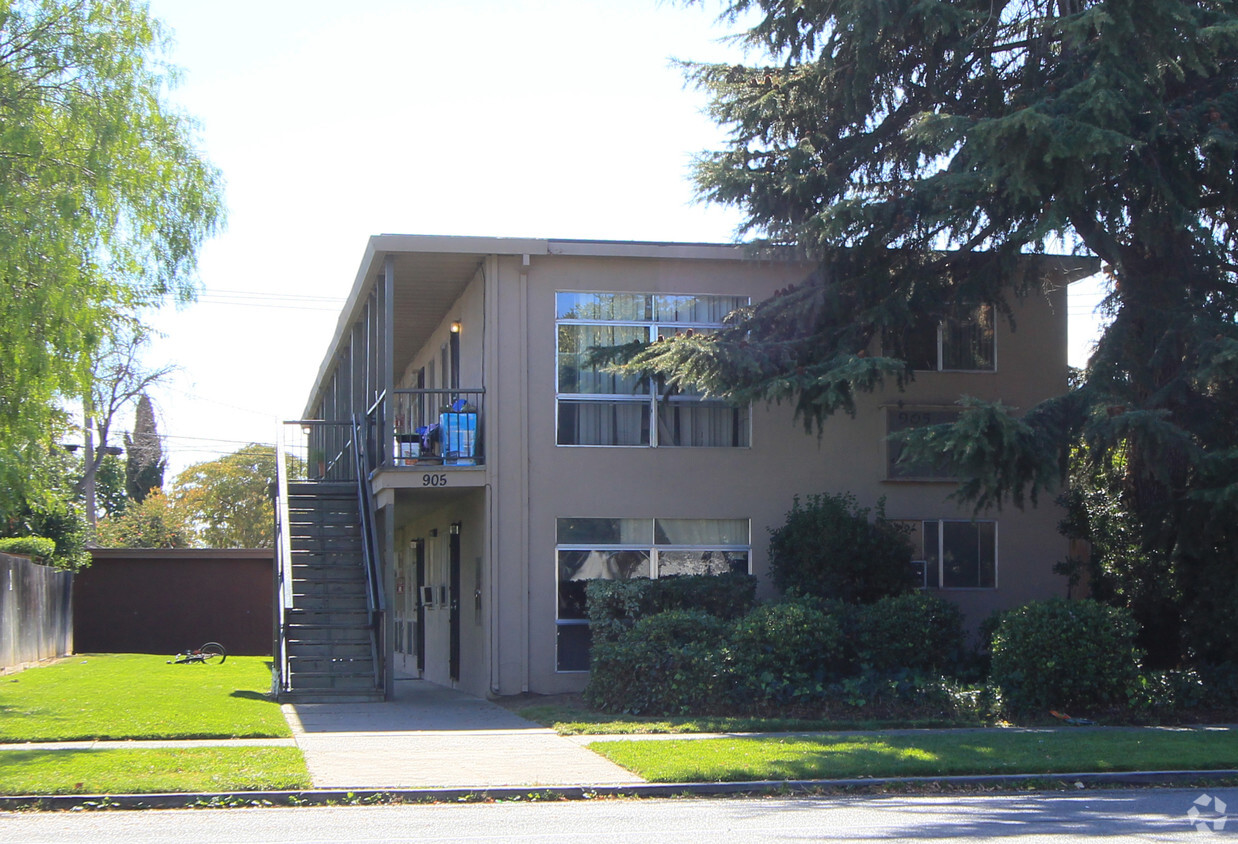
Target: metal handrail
[283, 567]
[370, 548]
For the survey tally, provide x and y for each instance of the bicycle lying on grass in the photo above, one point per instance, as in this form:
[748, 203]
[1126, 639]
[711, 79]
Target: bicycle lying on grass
[210, 652]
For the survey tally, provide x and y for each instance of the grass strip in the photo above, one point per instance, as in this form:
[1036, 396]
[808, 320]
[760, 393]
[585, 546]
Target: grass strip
[139, 696]
[575, 721]
[205, 769]
[923, 754]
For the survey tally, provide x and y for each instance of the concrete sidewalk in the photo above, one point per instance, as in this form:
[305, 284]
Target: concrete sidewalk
[428, 736]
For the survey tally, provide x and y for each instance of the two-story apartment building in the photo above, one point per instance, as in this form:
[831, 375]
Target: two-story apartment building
[507, 470]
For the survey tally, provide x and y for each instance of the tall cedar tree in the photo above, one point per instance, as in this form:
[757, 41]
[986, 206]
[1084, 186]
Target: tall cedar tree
[921, 150]
[144, 463]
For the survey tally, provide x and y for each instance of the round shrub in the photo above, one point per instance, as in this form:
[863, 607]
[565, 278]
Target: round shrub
[779, 652]
[667, 663]
[1064, 654]
[916, 632]
[829, 548]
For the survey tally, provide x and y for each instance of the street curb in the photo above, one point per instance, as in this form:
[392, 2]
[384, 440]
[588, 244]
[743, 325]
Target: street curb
[538, 793]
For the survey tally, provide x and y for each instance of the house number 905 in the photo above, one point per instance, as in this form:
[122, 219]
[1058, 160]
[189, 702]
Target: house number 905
[434, 480]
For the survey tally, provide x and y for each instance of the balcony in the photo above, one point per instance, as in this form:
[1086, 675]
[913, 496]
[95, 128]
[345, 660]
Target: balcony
[436, 428]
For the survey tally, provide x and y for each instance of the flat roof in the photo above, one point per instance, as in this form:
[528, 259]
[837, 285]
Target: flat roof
[452, 259]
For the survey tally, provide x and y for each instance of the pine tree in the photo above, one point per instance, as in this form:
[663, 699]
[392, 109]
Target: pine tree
[144, 463]
[922, 150]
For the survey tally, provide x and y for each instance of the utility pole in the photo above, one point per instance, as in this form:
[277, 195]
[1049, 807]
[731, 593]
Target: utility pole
[88, 480]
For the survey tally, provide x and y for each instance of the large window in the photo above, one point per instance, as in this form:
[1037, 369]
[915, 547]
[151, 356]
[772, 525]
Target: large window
[597, 407]
[955, 554]
[906, 418]
[964, 342]
[623, 549]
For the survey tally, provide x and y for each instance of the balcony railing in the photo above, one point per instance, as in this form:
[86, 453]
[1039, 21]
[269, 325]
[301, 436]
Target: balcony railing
[318, 450]
[437, 427]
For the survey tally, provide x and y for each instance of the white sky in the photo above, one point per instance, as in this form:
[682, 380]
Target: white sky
[335, 121]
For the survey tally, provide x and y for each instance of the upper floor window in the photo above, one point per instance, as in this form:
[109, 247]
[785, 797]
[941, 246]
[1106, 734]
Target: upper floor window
[598, 407]
[959, 343]
[905, 418]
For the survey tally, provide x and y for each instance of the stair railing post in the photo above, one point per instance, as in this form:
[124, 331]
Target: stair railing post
[283, 566]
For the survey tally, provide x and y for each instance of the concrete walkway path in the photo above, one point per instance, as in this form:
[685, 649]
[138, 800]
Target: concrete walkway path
[428, 736]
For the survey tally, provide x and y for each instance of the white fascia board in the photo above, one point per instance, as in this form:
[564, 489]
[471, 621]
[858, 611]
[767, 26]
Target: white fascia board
[649, 249]
[458, 245]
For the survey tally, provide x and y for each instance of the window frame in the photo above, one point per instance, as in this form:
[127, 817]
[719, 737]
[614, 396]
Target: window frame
[921, 556]
[653, 405]
[652, 550]
[941, 336]
[894, 449]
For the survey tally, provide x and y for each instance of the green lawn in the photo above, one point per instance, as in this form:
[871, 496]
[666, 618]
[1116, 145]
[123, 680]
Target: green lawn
[923, 754]
[570, 720]
[139, 696]
[200, 769]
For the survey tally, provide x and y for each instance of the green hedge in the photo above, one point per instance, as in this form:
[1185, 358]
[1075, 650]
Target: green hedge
[615, 605]
[1064, 655]
[916, 631]
[670, 662]
[783, 652]
[35, 547]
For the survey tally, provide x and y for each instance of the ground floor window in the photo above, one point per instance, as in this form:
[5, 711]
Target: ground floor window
[955, 554]
[621, 549]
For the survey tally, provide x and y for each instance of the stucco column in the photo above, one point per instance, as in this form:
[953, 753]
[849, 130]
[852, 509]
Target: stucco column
[385, 507]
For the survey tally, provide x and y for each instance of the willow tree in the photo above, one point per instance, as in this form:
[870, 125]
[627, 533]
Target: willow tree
[104, 203]
[921, 151]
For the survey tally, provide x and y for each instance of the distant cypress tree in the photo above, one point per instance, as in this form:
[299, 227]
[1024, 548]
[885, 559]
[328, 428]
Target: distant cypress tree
[144, 463]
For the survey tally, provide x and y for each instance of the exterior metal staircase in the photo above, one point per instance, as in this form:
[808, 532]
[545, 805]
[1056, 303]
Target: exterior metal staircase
[329, 629]
[330, 609]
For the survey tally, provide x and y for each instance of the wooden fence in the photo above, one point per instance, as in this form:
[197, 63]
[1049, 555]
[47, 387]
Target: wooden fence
[36, 612]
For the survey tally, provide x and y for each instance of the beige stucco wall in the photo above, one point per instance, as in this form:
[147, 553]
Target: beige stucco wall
[758, 483]
[508, 525]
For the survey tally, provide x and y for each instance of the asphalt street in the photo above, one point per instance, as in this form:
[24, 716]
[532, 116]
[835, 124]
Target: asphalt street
[1138, 815]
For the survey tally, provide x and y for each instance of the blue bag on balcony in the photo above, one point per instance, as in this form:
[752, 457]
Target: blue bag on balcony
[459, 432]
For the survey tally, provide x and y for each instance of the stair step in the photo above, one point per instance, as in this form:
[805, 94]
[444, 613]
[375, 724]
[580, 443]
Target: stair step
[327, 582]
[329, 650]
[331, 696]
[318, 634]
[322, 664]
[350, 684]
[318, 669]
[305, 591]
[331, 603]
[308, 584]
[329, 539]
[326, 558]
[329, 618]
